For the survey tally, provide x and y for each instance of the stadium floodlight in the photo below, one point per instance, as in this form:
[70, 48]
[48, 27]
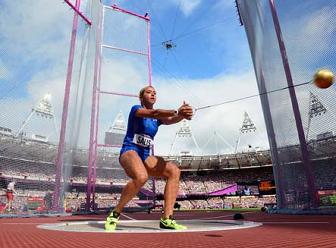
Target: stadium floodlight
[42, 109]
[116, 133]
[316, 108]
[248, 125]
[119, 123]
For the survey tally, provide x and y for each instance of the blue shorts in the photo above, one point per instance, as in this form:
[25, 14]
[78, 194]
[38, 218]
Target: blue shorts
[142, 152]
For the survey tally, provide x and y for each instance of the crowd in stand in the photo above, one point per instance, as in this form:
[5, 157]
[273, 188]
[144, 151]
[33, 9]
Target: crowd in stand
[190, 183]
[31, 161]
[210, 181]
[74, 201]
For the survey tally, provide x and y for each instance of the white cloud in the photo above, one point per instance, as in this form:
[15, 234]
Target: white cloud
[35, 30]
[47, 38]
[37, 37]
[188, 6]
[4, 72]
[42, 33]
[225, 119]
[310, 39]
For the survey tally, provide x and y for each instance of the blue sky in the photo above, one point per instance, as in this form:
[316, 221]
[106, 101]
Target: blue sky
[211, 63]
[207, 35]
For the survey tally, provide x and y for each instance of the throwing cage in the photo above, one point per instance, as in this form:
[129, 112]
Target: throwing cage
[289, 42]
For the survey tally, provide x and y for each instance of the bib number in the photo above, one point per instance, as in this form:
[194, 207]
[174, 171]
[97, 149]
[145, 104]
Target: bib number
[142, 140]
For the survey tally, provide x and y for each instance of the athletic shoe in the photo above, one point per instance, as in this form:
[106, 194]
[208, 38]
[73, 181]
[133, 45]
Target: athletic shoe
[111, 222]
[170, 223]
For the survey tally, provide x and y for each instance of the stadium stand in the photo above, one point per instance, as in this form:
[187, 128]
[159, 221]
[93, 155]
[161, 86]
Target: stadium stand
[32, 164]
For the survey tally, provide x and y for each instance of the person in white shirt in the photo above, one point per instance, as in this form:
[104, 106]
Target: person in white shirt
[10, 195]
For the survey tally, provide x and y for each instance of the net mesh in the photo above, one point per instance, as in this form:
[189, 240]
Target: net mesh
[33, 104]
[307, 31]
[31, 97]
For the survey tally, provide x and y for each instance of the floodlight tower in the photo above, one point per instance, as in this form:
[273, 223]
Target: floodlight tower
[316, 108]
[42, 109]
[185, 133]
[115, 135]
[247, 127]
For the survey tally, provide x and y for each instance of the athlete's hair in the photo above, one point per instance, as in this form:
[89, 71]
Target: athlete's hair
[142, 92]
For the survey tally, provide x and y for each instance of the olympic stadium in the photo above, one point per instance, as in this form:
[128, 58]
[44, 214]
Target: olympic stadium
[211, 181]
[257, 160]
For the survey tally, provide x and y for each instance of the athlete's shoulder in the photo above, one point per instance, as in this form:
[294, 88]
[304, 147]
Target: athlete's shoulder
[135, 108]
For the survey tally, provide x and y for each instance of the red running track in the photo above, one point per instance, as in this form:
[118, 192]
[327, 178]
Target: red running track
[277, 231]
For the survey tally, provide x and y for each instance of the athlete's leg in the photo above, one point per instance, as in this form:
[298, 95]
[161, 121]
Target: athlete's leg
[9, 204]
[135, 169]
[157, 167]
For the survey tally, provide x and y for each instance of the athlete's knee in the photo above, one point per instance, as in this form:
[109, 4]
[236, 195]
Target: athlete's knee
[177, 172]
[174, 171]
[140, 180]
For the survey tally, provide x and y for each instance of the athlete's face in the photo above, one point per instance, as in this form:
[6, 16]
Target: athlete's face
[149, 95]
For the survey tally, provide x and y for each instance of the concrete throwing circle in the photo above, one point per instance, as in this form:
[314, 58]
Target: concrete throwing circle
[150, 226]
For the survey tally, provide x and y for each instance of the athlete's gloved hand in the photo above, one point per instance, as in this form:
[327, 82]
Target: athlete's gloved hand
[186, 111]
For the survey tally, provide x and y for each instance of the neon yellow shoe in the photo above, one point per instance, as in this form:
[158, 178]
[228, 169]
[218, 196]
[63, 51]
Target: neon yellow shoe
[111, 222]
[170, 223]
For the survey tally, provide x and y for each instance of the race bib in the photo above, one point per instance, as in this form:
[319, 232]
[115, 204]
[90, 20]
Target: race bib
[142, 140]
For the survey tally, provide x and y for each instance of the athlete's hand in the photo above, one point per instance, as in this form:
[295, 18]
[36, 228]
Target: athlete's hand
[186, 111]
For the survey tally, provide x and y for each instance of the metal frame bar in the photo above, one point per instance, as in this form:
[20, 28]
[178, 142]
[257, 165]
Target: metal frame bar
[76, 9]
[94, 126]
[115, 7]
[303, 145]
[61, 145]
[94, 116]
[149, 54]
[93, 186]
[118, 94]
[124, 50]
[238, 12]
[94, 123]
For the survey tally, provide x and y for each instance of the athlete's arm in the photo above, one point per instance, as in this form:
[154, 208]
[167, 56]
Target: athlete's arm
[155, 113]
[184, 112]
[171, 120]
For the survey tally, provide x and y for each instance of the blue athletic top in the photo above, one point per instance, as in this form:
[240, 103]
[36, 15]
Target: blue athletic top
[140, 133]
